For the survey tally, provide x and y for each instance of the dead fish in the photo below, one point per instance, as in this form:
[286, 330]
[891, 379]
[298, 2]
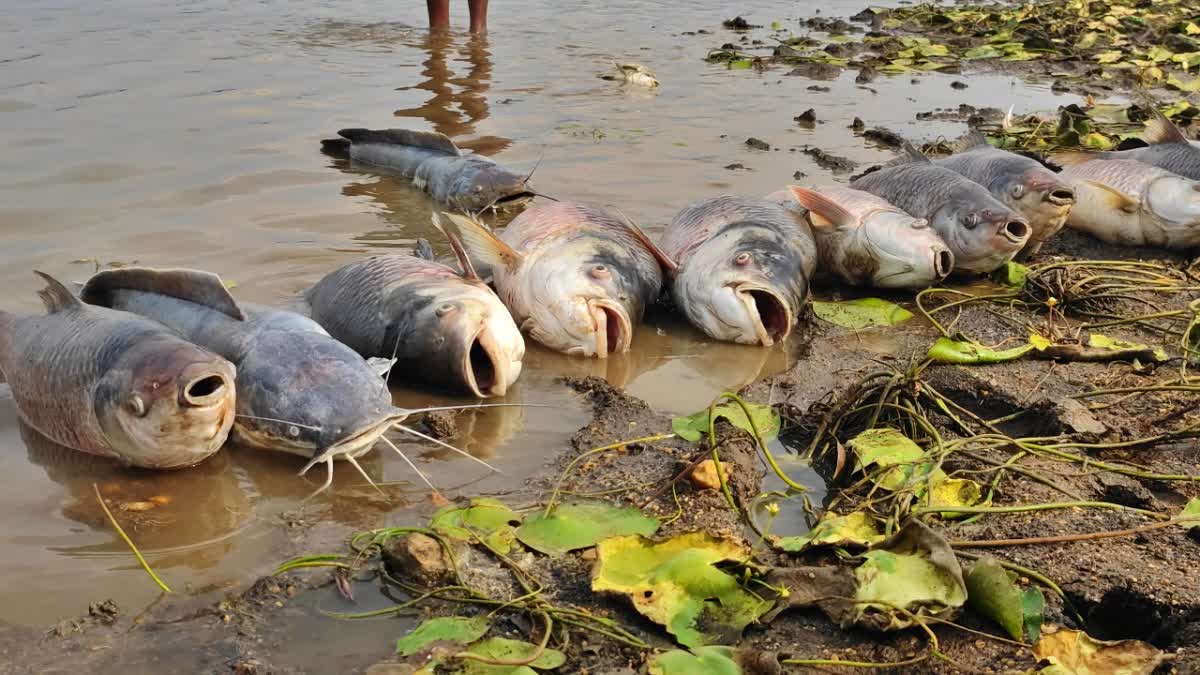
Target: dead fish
[1018, 181]
[115, 384]
[1124, 201]
[1169, 148]
[443, 327]
[299, 390]
[575, 277]
[743, 267]
[633, 73]
[470, 183]
[865, 241]
[981, 232]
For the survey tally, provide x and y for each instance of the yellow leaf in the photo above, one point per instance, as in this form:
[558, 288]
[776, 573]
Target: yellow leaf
[1111, 56]
[1039, 342]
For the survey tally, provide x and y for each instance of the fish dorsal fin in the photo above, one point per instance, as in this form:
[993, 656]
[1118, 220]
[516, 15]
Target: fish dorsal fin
[1114, 197]
[824, 214]
[202, 288]
[969, 140]
[456, 245]
[1160, 129]
[478, 241]
[664, 261]
[427, 140]
[909, 154]
[424, 249]
[55, 296]
[1072, 158]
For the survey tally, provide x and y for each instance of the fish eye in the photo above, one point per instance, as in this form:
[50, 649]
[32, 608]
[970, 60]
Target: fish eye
[293, 431]
[970, 220]
[599, 272]
[479, 188]
[136, 405]
[444, 309]
[742, 258]
[1018, 191]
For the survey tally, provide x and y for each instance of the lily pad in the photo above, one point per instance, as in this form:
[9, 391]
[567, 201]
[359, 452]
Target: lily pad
[945, 491]
[489, 519]
[452, 628]
[916, 571]
[982, 52]
[503, 649]
[765, 418]
[886, 447]
[676, 583]
[580, 525]
[1116, 345]
[853, 529]
[993, 592]
[861, 313]
[1011, 274]
[709, 660]
[963, 352]
[1190, 516]
[1073, 652]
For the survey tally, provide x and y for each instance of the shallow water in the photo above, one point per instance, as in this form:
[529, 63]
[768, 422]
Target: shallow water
[187, 134]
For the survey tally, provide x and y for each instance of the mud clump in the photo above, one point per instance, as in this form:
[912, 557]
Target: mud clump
[825, 160]
[757, 144]
[738, 23]
[885, 137]
[441, 423]
[418, 557]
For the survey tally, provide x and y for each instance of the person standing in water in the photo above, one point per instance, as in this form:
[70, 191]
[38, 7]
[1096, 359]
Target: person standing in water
[439, 15]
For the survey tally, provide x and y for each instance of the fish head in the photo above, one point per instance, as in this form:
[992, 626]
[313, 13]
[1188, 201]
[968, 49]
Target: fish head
[585, 295]
[467, 333]
[1040, 195]
[303, 392]
[744, 284]
[1174, 200]
[496, 188]
[900, 251]
[981, 232]
[166, 403]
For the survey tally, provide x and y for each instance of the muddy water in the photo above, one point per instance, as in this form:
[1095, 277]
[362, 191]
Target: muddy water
[186, 133]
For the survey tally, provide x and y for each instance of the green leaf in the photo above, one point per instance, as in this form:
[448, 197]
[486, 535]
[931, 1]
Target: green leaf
[740, 64]
[917, 572]
[861, 313]
[776, 26]
[707, 660]
[885, 447]
[453, 628]
[982, 52]
[580, 525]
[946, 350]
[1111, 56]
[1099, 341]
[502, 649]
[1011, 274]
[945, 491]
[676, 583]
[489, 519]
[1159, 54]
[765, 418]
[1077, 653]
[1189, 518]
[853, 529]
[992, 591]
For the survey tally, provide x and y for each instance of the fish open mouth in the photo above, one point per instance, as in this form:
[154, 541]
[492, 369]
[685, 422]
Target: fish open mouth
[357, 443]
[509, 201]
[482, 369]
[206, 390]
[771, 315]
[1016, 231]
[612, 329]
[1061, 196]
[943, 262]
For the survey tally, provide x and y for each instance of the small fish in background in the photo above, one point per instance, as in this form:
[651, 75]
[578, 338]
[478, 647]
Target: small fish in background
[1018, 181]
[633, 73]
[1168, 148]
[432, 162]
[115, 384]
[742, 268]
[576, 278]
[1125, 201]
[981, 232]
[863, 240]
[443, 327]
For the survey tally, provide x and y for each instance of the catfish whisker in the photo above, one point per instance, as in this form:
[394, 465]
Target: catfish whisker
[464, 453]
[403, 456]
[328, 478]
[354, 463]
[472, 406]
[272, 419]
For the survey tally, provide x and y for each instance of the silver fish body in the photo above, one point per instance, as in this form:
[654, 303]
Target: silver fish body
[744, 266]
[443, 328]
[1018, 181]
[1168, 148]
[863, 240]
[116, 384]
[298, 390]
[576, 278]
[981, 232]
[1132, 203]
[432, 163]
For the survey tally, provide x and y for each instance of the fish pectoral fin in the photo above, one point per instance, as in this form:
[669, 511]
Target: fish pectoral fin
[1160, 129]
[1072, 158]
[55, 296]
[664, 261]
[456, 245]
[475, 239]
[1114, 197]
[824, 214]
[380, 366]
[203, 288]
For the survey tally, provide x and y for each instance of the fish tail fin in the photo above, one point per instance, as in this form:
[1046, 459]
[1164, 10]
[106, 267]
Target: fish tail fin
[478, 241]
[336, 147]
[55, 296]
[824, 213]
[426, 140]
[1160, 129]
[1072, 158]
[664, 261]
[203, 288]
[971, 139]
[456, 245]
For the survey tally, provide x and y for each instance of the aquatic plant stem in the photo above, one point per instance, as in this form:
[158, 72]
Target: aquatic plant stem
[1035, 507]
[128, 541]
[856, 664]
[1062, 539]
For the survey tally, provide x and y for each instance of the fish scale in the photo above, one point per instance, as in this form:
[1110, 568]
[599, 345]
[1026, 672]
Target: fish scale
[1126, 175]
